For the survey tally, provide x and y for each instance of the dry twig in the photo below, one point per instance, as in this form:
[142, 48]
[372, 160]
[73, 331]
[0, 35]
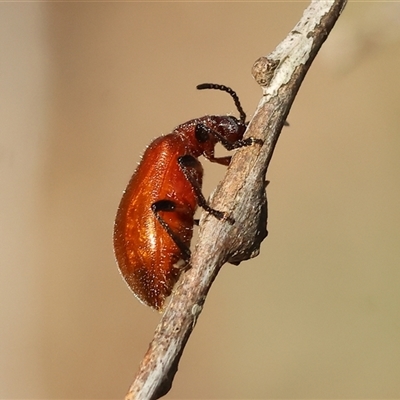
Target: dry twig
[242, 193]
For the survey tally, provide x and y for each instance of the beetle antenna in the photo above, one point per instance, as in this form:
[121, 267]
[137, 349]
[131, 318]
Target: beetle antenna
[228, 90]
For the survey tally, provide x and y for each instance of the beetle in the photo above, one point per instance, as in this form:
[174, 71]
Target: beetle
[155, 219]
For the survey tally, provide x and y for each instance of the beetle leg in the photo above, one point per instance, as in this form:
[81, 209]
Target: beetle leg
[204, 131]
[188, 164]
[168, 205]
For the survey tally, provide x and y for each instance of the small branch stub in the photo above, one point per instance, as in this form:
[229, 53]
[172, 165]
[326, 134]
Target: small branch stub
[263, 70]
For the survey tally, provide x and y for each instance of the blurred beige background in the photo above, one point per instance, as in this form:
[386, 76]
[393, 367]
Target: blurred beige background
[85, 87]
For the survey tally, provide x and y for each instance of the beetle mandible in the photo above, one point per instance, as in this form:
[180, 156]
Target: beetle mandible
[154, 223]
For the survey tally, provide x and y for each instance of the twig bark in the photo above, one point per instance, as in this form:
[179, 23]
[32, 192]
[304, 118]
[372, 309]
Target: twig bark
[242, 193]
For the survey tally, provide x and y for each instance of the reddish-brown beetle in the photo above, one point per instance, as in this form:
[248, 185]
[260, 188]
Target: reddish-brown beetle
[155, 219]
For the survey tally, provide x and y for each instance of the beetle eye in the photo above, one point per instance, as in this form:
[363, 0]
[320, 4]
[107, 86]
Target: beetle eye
[201, 133]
